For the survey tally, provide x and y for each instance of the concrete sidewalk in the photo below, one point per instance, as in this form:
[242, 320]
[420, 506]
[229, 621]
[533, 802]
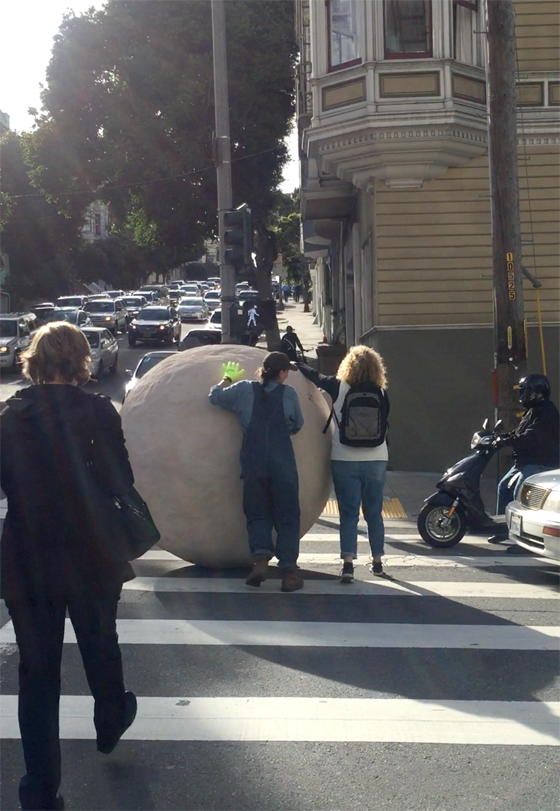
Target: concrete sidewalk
[309, 333]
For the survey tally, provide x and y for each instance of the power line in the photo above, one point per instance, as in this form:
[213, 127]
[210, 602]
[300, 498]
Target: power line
[140, 182]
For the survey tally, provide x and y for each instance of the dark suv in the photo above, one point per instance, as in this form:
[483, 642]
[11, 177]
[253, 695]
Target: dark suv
[155, 323]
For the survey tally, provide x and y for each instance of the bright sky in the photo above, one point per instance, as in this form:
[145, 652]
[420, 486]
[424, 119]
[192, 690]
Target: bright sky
[28, 28]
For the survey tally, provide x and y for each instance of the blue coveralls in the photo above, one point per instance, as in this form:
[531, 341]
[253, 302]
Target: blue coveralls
[270, 479]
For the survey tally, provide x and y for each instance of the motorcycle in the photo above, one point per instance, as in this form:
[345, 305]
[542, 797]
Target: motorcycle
[457, 507]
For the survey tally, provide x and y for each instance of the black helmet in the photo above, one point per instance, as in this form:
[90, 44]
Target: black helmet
[533, 389]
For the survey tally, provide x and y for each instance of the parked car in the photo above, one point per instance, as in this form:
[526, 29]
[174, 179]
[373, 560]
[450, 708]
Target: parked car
[107, 313]
[193, 309]
[212, 299]
[133, 305]
[155, 323]
[76, 316]
[104, 351]
[15, 337]
[71, 301]
[148, 362]
[534, 520]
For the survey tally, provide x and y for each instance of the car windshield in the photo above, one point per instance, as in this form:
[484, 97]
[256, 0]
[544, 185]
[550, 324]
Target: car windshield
[148, 362]
[100, 306]
[132, 302]
[69, 314]
[216, 317]
[8, 329]
[68, 301]
[93, 338]
[194, 302]
[213, 294]
[154, 314]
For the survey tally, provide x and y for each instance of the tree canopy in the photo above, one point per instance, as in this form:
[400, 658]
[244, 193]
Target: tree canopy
[128, 112]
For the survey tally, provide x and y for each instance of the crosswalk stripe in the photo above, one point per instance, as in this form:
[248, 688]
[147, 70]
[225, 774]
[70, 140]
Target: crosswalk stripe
[423, 560]
[278, 718]
[325, 634]
[374, 588]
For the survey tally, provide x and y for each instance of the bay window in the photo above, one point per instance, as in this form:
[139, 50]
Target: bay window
[408, 28]
[344, 47]
[466, 46]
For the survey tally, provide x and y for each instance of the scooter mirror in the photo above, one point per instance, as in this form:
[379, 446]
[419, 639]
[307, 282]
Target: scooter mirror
[499, 425]
[485, 424]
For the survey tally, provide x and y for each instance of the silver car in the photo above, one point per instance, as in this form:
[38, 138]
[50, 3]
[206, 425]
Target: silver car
[15, 338]
[534, 520]
[193, 309]
[104, 351]
[107, 313]
[213, 299]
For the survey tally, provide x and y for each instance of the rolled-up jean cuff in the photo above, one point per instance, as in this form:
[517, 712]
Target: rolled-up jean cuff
[262, 553]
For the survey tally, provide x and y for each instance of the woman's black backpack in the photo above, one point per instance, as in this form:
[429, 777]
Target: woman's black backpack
[363, 419]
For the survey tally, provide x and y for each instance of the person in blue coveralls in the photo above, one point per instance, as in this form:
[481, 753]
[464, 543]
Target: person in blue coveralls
[269, 413]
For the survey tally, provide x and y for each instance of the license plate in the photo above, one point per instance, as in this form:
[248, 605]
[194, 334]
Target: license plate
[515, 524]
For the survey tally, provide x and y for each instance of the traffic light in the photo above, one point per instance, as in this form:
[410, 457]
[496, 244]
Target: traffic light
[238, 237]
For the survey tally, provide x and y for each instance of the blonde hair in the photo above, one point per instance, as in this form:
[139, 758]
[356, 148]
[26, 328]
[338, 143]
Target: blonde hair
[58, 352]
[362, 365]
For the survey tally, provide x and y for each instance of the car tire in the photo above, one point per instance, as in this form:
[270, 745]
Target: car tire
[115, 366]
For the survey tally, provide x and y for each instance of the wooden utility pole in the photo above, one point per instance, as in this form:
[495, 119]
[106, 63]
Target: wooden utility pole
[510, 349]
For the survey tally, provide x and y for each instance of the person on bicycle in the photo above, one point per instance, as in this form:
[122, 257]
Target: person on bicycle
[291, 343]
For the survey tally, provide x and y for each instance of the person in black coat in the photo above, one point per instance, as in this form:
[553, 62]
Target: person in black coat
[53, 436]
[535, 442]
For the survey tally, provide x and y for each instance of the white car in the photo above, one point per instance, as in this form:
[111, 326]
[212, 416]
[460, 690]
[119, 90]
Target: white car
[212, 299]
[534, 520]
[193, 309]
[104, 351]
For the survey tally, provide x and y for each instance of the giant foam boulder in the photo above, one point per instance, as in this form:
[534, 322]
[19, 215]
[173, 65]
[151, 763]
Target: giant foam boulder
[185, 454]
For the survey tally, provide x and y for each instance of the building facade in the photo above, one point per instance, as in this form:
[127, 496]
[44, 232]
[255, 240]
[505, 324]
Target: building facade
[96, 222]
[396, 203]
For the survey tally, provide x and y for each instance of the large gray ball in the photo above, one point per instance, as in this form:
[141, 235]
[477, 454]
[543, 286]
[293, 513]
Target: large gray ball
[185, 454]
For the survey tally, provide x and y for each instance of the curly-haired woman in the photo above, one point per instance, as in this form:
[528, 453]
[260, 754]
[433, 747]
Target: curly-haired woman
[358, 472]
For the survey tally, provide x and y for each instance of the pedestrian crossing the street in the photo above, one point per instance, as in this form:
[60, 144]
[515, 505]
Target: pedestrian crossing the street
[450, 650]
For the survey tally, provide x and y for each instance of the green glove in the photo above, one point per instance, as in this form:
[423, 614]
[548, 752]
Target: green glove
[232, 371]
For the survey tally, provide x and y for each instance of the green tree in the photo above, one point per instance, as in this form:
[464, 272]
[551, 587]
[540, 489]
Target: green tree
[129, 94]
[38, 239]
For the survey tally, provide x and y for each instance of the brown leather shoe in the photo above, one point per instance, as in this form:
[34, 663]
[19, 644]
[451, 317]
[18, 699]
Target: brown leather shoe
[259, 573]
[291, 581]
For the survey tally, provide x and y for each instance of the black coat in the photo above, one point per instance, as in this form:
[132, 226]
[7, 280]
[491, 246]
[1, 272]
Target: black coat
[536, 440]
[45, 440]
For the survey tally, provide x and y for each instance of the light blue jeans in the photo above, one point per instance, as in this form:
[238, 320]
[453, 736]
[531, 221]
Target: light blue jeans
[355, 484]
[507, 492]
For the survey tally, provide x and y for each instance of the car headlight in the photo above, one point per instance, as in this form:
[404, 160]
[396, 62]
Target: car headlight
[5, 350]
[161, 326]
[107, 318]
[552, 502]
[133, 326]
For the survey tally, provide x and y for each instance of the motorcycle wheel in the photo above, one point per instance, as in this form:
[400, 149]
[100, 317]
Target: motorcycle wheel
[437, 529]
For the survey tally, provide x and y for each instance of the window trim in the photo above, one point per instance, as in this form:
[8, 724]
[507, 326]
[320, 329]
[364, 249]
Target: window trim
[343, 65]
[472, 5]
[412, 55]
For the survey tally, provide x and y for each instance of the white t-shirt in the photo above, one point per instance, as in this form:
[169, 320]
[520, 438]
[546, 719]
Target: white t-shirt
[345, 453]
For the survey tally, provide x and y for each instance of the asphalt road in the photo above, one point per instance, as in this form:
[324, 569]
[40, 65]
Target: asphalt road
[432, 689]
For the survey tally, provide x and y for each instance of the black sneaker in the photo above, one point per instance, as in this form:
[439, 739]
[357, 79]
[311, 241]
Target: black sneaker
[347, 573]
[376, 567]
[107, 743]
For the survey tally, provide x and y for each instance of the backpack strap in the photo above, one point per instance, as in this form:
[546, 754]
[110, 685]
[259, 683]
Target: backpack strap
[331, 415]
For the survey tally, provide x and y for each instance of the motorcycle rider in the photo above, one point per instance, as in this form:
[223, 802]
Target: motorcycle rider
[535, 442]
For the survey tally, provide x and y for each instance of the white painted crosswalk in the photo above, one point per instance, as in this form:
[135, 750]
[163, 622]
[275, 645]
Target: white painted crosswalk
[431, 607]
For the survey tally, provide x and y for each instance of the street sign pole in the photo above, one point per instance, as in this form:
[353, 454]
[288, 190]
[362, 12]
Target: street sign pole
[222, 150]
[510, 350]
